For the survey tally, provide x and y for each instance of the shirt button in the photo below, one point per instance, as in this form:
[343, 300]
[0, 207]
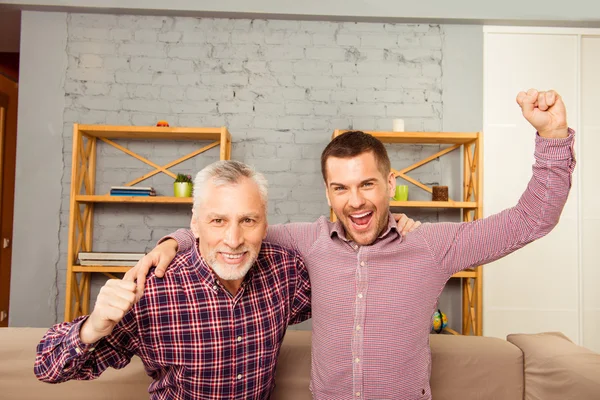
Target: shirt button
[239, 338]
[362, 263]
[357, 360]
[357, 394]
[360, 295]
[239, 376]
[358, 327]
[215, 287]
[355, 247]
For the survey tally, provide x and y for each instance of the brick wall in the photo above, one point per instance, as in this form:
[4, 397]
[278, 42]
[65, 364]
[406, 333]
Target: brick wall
[281, 88]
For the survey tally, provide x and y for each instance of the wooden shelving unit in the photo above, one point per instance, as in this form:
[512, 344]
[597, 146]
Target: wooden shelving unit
[83, 195]
[471, 203]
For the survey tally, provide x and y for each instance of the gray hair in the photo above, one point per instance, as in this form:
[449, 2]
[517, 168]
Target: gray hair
[227, 173]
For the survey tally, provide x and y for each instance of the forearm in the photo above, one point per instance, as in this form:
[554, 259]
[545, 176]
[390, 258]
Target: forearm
[184, 237]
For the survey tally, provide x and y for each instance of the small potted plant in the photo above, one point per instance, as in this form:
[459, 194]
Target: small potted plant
[183, 186]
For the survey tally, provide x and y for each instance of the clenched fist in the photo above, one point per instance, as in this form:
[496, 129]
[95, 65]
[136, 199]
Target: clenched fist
[545, 111]
[114, 301]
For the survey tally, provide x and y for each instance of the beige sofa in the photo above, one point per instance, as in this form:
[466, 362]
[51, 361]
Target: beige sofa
[544, 366]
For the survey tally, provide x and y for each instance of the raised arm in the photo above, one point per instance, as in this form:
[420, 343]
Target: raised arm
[456, 246]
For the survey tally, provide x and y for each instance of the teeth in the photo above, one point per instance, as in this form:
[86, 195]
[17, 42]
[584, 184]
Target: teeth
[232, 256]
[361, 215]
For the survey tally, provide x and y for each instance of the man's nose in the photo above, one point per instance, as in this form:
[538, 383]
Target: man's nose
[234, 237]
[356, 199]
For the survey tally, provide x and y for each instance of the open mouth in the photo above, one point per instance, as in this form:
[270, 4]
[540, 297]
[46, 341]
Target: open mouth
[232, 258]
[361, 221]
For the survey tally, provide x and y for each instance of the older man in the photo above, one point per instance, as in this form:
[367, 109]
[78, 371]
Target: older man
[373, 290]
[213, 327]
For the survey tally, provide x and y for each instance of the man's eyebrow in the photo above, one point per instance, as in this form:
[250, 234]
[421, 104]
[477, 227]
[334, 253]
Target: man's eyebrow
[215, 216]
[362, 182]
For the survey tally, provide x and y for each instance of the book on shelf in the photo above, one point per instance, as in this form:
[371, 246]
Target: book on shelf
[107, 263]
[132, 191]
[109, 255]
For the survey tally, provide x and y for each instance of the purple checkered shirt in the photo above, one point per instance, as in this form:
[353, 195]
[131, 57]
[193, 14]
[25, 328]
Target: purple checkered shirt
[196, 340]
[372, 305]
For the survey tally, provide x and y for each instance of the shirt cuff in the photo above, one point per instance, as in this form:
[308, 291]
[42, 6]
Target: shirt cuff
[183, 239]
[555, 149]
[73, 341]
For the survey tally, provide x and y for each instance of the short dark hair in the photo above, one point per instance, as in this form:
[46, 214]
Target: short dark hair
[353, 143]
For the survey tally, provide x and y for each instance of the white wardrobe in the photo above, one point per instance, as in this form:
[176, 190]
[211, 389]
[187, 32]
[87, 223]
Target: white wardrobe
[554, 283]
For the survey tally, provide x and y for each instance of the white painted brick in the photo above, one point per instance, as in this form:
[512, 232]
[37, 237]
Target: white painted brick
[147, 92]
[118, 91]
[408, 42]
[121, 35]
[257, 81]
[132, 77]
[95, 89]
[370, 54]
[314, 123]
[313, 207]
[139, 234]
[379, 41]
[73, 87]
[344, 95]
[194, 37]
[157, 106]
[432, 125]
[286, 151]
[326, 53]
[324, 39]
[116, 63]
[284, 179]
[164, 79]
[263, 151]
[318, 136]
[225, 79]
[361, 110]
[170, 37]
[363, 123]
[172, 93]
[298, 108]
[276, 37]
[147, 64]
[432, 70]
[142, 49]
[283, 52]
[263, 122]
[235, 107]
[299, 39]
[232, 66]
[409, 70]
[326, 109]
[410, 110]
[90, 61]
[177, 65]
[318, 81]
[287, 207]
[189, 52]
[348, 39]
[90, 117]
[118, 118]
[277, 193]
[81, 33]
[270, 108]
[281, 66]
[407, 28]
[377, 68]
[189, 79]
[142, 22]
[240, 24]
[318, 26]
[434, 30]
[75, 48]
[361, 27]
[304, 193]
[312, 151]
[274, 24]
[92, 20]
[414, 96]
[257, 67]
[421, 55]
[318, 94]
[143, 119]
[413, 83]
[289, 122]
[344, 68]
[270, 165]
[363, 82]
[431, 42]
[432, 96]
[193, 107]
[340, 123]
[146, 36]
[238, 121]
[306, 67]
[183, 24]
[243, 52]
[380, 96]
[201, 120]
[286, 80]
[88, 74]
[293, 93]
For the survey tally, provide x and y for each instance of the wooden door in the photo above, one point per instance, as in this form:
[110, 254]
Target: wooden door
[8, 146]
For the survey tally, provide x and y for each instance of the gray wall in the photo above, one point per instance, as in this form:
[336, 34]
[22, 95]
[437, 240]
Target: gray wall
[281, 87]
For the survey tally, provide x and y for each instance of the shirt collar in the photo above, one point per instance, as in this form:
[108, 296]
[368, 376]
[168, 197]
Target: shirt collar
[337, 228]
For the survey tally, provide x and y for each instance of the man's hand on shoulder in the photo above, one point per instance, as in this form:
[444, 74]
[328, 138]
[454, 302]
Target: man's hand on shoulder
[161, 256]
[405, 224]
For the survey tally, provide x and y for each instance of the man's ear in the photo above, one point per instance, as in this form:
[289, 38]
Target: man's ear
[327, 194]
[194, 225]
[392, 184]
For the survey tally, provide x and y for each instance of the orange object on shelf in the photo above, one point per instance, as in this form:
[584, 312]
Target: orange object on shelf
[162, 123]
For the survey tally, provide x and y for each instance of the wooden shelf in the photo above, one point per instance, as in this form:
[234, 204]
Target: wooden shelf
[150, 132]
[435, 204]
[465, 274]
[421, 137]
[101, 268]
[133, 199]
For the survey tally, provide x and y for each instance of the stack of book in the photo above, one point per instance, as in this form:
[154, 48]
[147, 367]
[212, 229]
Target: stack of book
[109, 258]
[132, 191]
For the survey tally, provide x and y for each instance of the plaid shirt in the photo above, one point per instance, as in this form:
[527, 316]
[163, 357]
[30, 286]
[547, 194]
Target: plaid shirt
[196, 340]
[372, 305]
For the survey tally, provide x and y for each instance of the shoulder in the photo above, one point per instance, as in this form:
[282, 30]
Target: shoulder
[180, 265]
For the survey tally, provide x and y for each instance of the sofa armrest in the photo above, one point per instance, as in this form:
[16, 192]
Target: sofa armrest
[556, 368]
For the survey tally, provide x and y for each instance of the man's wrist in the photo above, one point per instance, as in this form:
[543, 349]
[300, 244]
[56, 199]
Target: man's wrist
[87, 334]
